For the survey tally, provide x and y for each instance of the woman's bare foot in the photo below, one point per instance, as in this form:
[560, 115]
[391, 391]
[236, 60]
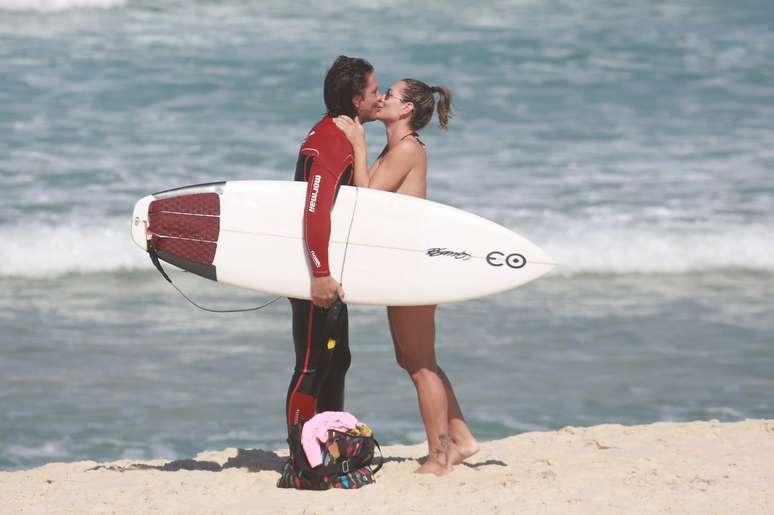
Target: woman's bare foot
[464, 448]
[441, 459]
[433, 467]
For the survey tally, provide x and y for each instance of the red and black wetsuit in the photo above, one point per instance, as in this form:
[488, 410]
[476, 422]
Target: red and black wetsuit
[325, 162]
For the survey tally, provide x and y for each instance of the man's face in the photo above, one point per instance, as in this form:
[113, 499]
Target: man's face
[369, 102]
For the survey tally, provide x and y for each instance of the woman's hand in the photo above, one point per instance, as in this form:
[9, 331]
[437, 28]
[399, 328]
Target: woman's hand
[355, 133]
[352, 129]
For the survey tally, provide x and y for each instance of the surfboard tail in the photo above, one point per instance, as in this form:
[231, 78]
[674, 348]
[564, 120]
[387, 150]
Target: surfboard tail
[140, 222]
[181, 227]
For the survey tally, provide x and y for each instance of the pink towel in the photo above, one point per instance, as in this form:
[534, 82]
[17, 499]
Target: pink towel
[315, 432]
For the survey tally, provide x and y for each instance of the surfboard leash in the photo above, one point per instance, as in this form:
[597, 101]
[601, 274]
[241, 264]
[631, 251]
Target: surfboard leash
[154, 257]
[237, 310]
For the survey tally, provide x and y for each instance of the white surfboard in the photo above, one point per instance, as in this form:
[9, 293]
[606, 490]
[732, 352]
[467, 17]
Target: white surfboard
[385, 248]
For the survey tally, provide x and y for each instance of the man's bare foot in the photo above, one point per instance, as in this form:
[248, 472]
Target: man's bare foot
[463, 449]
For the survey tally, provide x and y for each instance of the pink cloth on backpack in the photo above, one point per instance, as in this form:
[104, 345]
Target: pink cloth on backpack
[315, 432]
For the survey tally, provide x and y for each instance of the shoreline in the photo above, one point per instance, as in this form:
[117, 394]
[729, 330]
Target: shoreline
[664, 467]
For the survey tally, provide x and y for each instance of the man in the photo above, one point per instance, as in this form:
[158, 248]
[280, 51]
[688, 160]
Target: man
[325, 162]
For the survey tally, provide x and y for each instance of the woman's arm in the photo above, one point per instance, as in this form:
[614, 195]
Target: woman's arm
[361, 165]
[355, 133]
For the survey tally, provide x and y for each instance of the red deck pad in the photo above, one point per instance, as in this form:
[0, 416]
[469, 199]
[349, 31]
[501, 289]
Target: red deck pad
[185, 226]
[197, 204]
[179, 229]
[193, 251]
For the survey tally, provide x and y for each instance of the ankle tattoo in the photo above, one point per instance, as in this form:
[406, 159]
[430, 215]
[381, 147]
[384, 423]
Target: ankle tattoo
[441, 452]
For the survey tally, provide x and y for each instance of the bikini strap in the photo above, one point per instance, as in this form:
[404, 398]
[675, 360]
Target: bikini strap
[416, 135]
[387, 147]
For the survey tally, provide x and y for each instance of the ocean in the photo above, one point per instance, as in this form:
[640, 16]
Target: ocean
[634, 142]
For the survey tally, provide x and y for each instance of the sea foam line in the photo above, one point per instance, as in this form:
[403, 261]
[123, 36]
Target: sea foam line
[37, 250]
[34, 250]
[646, 251]
[57, 5]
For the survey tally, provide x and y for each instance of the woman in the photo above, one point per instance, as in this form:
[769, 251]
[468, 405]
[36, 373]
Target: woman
[402, 167]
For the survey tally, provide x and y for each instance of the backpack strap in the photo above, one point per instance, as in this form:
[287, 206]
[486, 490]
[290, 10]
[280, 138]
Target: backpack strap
[335, 469]
[376, 469]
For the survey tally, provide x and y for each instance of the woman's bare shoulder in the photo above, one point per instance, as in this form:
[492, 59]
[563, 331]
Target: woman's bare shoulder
[409, 149]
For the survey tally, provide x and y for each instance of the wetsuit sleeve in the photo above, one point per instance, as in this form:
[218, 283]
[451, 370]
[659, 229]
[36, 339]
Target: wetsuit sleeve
[320, 194]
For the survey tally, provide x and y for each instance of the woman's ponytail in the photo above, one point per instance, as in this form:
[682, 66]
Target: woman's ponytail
[423, 98]
[444, 105]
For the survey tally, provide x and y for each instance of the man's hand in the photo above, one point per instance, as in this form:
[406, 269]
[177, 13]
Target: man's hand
[324, 291]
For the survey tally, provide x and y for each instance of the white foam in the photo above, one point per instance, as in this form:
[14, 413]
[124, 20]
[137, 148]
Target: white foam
[37, 250]
[57, 5]
[651, 251]
[45, 450]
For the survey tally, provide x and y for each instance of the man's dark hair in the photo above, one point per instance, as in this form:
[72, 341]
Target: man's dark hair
[346, 78]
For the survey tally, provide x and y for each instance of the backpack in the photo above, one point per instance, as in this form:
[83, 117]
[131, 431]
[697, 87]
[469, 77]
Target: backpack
[348, 461]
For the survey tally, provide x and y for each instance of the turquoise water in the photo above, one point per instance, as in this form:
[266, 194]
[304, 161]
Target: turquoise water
[635, 143]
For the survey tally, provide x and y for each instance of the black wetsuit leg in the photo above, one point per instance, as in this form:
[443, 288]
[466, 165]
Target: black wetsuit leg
[331, 396]
[318, 379]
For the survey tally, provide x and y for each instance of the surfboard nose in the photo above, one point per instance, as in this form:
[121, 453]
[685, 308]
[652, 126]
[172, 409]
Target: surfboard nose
[140, 221]
[519, 254]
[543, 258]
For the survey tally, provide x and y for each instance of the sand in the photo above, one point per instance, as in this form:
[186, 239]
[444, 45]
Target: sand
[680, 468]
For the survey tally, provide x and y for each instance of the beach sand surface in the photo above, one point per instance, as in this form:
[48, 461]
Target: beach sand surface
[665, 467]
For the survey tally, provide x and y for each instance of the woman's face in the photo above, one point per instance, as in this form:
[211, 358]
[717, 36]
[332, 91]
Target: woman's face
[394, 107]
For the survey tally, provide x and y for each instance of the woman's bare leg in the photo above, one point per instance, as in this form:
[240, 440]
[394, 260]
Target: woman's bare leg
[459, 432]
[413, 332]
